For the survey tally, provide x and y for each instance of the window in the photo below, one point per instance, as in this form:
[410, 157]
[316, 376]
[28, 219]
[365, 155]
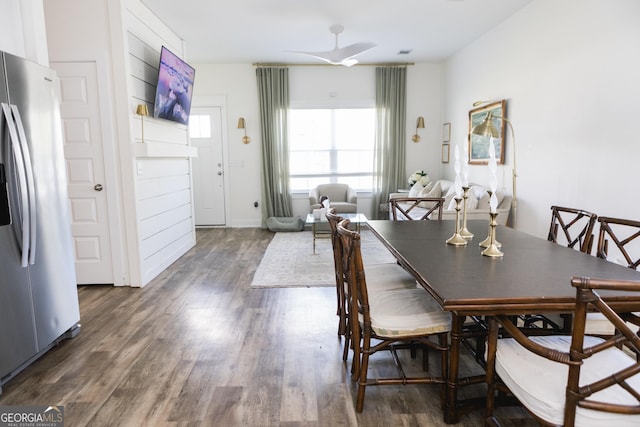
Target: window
[331, 145]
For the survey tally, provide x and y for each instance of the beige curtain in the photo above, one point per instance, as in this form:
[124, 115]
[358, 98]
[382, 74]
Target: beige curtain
[389, 153]
[273, 94]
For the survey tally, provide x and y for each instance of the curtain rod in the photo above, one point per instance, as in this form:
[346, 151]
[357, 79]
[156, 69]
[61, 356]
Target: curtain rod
[373, 64]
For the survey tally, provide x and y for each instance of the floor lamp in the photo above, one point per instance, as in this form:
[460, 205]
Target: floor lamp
[487, 129]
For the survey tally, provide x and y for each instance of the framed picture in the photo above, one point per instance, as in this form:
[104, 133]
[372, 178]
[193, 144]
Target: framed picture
[445, 153]
[446, 132]
[479, 145]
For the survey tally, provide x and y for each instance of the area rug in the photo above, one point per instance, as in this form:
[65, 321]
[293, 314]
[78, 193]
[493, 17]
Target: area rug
[289, 260]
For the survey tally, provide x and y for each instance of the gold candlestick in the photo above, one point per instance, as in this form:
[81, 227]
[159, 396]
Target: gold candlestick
[487, 242]
[464, 232]
[492, 250]
[457, 239]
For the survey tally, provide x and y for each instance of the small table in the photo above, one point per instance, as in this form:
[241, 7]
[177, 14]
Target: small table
[354, 218]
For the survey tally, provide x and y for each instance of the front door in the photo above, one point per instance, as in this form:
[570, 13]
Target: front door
[205, 131]
[84, 158]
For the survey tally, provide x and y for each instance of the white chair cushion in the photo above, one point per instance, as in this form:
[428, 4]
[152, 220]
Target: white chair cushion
[407, 312]
[386, 277]
[540, 384]
[597, 324]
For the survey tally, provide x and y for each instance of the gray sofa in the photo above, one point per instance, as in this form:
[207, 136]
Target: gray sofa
[478, 202]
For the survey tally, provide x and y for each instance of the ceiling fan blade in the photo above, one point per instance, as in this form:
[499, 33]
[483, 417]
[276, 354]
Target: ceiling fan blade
[340, 56]
[353, 50]
[325, 56]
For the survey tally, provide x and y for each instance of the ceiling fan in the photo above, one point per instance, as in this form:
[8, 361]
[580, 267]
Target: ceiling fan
[341, 56]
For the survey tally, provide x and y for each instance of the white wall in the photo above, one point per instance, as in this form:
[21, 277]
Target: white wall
[124, 39]
[237, 84]
[319, 86]
[569, 71]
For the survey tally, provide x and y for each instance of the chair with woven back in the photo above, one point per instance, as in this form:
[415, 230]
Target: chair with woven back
[622, 232]
[572, 228]
[416, 208]
[571, 380]
[616, 243]
[576, 226]
[389, 320]
[387, 276]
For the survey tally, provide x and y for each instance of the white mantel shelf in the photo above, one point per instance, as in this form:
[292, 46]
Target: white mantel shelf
[160, 149]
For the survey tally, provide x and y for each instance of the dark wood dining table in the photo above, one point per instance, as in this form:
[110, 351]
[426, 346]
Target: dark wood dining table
[532, 277]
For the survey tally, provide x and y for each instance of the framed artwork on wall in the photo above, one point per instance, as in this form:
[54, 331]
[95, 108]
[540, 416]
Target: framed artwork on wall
[446, 132]
[445, 153]
[479, 145]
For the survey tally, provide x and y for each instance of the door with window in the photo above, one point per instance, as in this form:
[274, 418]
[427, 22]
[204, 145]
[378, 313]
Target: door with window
[205, 132]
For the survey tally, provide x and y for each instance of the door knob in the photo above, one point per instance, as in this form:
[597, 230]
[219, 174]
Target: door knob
[98, 187]
[219, 173]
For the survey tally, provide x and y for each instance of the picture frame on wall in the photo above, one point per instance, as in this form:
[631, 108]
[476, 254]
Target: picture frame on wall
[478, 145]
[446, 132]
[445, 153]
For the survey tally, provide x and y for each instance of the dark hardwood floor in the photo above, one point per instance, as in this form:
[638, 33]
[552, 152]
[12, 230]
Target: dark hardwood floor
[199, 347]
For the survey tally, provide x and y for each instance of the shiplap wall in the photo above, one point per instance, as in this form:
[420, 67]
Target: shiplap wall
[164, 198]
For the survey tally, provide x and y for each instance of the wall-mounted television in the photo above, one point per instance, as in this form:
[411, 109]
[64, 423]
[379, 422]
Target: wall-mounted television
[175, 88]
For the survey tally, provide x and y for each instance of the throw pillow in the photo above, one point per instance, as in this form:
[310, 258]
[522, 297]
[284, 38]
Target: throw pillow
[430, 191]
[478, 191]
[483, 202]
[415, 190]
[472, 203]
[445, 185]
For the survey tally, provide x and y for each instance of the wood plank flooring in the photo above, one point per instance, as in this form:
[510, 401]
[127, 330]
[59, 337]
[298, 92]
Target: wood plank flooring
[199, 347]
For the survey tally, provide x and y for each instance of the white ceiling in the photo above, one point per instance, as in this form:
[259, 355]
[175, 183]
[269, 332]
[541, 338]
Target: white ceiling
[249, 31]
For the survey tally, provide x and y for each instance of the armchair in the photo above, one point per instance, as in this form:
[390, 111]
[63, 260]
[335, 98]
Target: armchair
[341, 197]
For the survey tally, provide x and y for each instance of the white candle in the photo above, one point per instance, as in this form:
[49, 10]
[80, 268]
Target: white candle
[457, 183]
[465, 166]
[493, 180]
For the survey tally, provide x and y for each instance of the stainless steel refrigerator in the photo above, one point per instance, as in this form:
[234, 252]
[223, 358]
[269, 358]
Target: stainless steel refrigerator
[38, 293]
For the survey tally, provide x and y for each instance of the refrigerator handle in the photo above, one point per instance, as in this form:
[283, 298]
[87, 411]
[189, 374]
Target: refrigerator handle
[22, 182]
[31, 186]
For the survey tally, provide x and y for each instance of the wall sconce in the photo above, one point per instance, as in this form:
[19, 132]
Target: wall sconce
[142, 111]
[419, 125]
[243, 125]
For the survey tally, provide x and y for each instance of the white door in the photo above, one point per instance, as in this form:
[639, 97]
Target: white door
[205, 131]
[84, 158]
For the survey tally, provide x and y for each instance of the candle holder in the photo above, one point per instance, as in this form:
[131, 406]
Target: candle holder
[464, 232]
[487, 242]
[457, 239]
[492, 250]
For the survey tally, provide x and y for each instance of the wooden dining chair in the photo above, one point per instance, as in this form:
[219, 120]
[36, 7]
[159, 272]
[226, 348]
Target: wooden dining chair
[390, 320]
[416, 208]
[569, 380]
[615, 241]
[572, 228]
[615, 244]
[388, 276]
